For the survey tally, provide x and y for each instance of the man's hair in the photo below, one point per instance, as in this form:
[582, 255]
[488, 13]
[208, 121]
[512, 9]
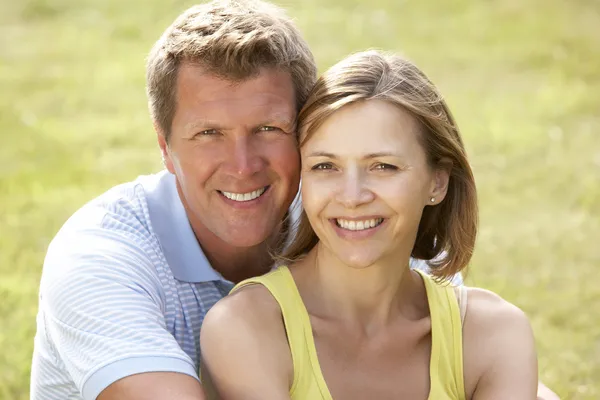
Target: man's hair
[232, 39]
[447, 231]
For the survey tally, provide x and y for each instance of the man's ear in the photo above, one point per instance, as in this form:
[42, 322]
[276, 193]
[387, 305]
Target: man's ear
[164, 148]
[439, 184]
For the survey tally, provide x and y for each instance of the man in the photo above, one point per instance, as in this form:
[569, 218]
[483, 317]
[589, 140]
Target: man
[129, 277]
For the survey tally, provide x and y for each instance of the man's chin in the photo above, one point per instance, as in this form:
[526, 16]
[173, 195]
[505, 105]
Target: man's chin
[244, 243]
[248, 237]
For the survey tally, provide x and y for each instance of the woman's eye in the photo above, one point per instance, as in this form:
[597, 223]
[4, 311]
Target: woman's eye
[322, 167]
[386, 167]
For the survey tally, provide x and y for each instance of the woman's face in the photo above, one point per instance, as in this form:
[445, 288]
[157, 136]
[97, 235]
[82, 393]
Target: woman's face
[365, 182]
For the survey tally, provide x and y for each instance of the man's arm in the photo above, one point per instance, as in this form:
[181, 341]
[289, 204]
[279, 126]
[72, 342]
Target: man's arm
[154, 385]
[103, 308]
[245, 353]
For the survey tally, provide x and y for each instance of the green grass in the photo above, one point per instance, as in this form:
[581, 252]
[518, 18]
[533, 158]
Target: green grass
[523, 79]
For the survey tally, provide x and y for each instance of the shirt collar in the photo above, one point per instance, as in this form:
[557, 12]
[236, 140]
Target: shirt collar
[174, 232]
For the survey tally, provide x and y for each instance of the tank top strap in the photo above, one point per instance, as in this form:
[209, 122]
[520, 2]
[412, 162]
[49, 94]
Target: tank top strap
[307, 374]
[446, 366]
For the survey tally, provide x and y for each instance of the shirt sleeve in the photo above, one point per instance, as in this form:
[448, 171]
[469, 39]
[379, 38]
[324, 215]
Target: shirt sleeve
[103, 305]
[423, 266]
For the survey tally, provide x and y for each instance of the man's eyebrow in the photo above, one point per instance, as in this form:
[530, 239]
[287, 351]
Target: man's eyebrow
[212, 124]
[201, 124]
[280, 120]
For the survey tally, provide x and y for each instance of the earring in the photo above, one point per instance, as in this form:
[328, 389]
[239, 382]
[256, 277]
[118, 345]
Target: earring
[432, 199]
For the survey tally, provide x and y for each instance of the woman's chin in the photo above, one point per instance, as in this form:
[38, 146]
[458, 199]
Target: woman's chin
[358, 255]
[358, 261]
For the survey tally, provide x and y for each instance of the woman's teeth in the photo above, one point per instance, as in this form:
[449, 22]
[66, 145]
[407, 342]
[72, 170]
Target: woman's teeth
[358, 225]
[244, 196]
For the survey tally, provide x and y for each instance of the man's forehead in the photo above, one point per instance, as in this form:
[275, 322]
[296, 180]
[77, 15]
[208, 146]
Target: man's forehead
[209, 100]
[268, 82]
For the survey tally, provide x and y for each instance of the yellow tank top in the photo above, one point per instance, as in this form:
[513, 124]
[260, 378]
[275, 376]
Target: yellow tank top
[446, 364]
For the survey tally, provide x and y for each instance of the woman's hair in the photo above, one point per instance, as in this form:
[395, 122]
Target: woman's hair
[447, 231]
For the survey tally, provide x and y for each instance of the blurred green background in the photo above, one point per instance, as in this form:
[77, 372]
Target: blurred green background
[523, 78]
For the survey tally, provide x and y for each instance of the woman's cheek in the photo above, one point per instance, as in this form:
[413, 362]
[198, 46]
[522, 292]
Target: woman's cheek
[315, 193]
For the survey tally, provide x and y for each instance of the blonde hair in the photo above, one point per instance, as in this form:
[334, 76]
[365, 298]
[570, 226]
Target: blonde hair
[233, 39]
[447, 231]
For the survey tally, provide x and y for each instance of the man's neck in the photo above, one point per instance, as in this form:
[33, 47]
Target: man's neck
[232, 262]
[236, 264]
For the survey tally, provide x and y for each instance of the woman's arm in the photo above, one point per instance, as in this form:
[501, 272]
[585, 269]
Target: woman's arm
[245, 354]
[499, 348]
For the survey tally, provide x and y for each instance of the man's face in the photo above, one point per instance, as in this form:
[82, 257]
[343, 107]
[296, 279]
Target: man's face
[233, 150]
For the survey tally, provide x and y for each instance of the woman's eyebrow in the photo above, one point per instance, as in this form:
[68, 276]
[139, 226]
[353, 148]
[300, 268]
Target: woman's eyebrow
[366, 157]
[381, 154]
[322, 154]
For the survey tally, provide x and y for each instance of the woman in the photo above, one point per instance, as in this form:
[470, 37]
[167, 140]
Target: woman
[384, 177]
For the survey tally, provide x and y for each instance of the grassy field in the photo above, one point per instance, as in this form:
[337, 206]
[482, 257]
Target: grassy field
[523, 78]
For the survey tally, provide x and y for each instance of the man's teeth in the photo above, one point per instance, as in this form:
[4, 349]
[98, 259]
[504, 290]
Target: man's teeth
[358, 225]
[244, 196]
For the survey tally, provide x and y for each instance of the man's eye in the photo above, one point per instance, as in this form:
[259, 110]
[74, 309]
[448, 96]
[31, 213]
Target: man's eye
[207, 132]
[268, 129]
[322, 167]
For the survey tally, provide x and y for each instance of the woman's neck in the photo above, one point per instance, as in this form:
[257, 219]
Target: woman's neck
[369, 298]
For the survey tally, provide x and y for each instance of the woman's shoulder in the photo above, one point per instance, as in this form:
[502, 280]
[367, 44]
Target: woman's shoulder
[250, 302]
[241, 331]
[486, 310]
[496, 335]
[251, 308]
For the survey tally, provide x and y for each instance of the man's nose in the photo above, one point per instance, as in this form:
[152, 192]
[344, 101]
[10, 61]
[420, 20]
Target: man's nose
[245, 159]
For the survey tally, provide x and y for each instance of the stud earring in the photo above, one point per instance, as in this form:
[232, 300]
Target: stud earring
[432, 199]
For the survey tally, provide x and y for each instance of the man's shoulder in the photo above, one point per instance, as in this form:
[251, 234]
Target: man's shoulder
[125, 200]
[114, 225]
[123, 207]
[423, 265]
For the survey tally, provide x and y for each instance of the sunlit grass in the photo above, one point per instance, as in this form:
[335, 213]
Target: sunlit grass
[522, 78]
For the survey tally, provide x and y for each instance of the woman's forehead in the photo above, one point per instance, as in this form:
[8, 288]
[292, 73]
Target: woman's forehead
[371, 127]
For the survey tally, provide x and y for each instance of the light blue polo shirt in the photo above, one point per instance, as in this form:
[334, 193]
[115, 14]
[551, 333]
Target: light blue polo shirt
[124, 290]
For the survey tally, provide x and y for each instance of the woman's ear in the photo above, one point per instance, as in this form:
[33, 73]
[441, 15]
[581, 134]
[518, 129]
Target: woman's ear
[440, 181]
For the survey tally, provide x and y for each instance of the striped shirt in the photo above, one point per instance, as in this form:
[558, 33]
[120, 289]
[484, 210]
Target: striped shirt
[125, 287]
[124, 290]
